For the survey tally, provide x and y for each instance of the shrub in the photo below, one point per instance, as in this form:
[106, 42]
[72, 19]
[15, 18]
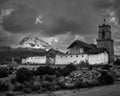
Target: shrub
[117, 62]
[58, 71]
[18, 87]
[46, 85]
[4, 86]
[23, 74]
[68, 69]
[3, 72]
[48, 78]
[13, 80]
[36, 86]
[81, 84]
[88, 83]
[10, 94]
[27, 90]
[106, 67]
[27, 84]
[45, 70]
[105, 78]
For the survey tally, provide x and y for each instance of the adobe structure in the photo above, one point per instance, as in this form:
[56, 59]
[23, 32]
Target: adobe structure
[105, 40]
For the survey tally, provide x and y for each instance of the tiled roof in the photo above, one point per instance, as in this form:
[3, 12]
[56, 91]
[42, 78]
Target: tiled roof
[80, 44]
[97, 50]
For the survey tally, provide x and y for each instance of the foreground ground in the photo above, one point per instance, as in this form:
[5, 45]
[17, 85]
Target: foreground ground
[110, 90]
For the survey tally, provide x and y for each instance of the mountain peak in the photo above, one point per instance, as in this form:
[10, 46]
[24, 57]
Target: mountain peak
[32, 42]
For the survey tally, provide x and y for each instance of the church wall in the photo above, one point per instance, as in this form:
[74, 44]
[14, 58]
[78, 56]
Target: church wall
[109, 46]
[67, 59]
[92, 59]
[101, 58]
[36, 59]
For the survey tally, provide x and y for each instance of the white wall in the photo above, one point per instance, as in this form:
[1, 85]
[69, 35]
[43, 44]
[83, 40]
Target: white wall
[67, 59]
[101, 58]
[36, 59]
[92, 59]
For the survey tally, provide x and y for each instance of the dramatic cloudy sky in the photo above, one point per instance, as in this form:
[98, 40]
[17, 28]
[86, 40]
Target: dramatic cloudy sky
[58, 22]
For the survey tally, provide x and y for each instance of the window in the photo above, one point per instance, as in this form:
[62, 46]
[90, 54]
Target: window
[103, 35]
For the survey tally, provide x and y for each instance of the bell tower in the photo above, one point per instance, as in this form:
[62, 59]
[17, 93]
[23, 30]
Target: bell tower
[105, 39]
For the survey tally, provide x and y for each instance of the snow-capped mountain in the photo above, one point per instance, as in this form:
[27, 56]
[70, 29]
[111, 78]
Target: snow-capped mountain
[31, 42]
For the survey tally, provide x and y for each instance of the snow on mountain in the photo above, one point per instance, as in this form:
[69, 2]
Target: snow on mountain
[31, 42]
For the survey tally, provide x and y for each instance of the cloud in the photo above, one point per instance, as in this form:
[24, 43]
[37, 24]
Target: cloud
[21, 20]
[111, 9]
[58, 17]
[62, 20]
[3, 1]
[62, 41]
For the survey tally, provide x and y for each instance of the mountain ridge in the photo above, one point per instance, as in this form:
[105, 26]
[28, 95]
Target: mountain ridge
[31, 42]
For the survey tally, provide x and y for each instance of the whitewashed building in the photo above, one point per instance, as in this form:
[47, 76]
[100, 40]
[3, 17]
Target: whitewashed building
[100, 57]
[34, 60]
[78, 52]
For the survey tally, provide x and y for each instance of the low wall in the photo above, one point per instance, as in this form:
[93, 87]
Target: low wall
[101, 58]
[92, 59]
[67, 59]
[35, 60]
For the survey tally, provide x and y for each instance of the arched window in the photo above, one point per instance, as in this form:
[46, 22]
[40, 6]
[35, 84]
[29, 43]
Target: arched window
[103, 35]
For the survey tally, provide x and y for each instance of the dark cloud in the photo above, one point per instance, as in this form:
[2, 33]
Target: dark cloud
[59, 16]
[80, 17]
[61, 26]
[22, 19]
[3, 1]
[102, 4]
[111, 5]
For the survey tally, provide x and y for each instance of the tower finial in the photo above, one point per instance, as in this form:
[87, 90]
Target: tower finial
[104, 21]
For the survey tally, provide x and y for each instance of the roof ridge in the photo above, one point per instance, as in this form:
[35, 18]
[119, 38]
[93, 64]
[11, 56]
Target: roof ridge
[81, 44]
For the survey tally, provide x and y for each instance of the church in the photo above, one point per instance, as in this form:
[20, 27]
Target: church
[102, 53]
[79, 51]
